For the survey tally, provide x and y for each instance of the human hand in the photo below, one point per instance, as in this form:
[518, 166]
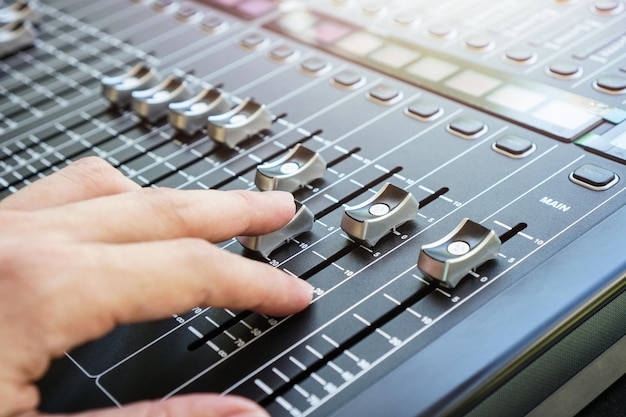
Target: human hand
[85, 247]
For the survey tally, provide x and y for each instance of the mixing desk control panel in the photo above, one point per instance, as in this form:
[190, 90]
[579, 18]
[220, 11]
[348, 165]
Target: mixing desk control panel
[459, 169]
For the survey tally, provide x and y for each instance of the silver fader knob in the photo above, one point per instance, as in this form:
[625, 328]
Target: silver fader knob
[152, 103]
[16, 36]
[241, 122]
[448, 260]
[368, 222]
[18, 12]
[298, 167]
[118, 89]
[301, 222]
[190, 116]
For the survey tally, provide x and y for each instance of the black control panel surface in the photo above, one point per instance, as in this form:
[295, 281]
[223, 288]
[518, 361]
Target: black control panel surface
[459, 167]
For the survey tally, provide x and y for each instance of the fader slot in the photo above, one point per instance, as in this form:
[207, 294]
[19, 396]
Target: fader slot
[77, 146]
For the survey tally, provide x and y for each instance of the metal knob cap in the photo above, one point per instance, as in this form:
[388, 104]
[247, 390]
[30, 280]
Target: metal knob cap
[241, 122]
[298, 167]
[301, 222]
[152, 103]
[369, 221]
[190, 116]
[118, 89]
[451, 258]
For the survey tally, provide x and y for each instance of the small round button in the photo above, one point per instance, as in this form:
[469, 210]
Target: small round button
[564, 69]
[611, 84]
[479, 43]
[521, 56]
[458, 248]
[607, 7]
[289, 168]
[441, 31]
[379, 209]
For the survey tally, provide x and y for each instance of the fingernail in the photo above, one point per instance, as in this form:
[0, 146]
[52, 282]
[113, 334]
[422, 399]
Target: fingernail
[279, 195]
[306, 287]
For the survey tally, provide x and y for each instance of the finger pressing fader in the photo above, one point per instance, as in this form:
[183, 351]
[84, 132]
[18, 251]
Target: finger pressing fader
[298, 167]
[152, 103]
[241, 122]
[190, 116]
[368, 222]
[301, 222]
[451, 258]
[118, 90]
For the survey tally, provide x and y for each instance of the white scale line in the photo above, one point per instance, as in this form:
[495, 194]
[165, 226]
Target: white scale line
[319, 379]
[297, 363]
[301, 390]
[195, 332]
[415, 313]
[390, 298]
[443, 292]
[336, 367]
[383, 334]
[210, 320]
[351, 355]
[263, 386]
[314, 352]
[361, 319]
[420, 279]
[284, 403]
[281, 375]
[331, 341]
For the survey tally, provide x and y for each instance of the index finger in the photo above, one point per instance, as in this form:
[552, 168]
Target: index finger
[160, 214]
[83, 179]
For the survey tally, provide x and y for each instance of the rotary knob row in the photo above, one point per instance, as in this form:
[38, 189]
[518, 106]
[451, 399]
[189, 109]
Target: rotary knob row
[152, 99]
[17, 27]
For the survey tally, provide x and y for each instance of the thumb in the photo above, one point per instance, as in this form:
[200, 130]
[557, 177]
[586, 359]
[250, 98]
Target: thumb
[194, 405]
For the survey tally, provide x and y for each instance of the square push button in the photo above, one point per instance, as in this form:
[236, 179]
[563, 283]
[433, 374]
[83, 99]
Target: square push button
[424, 110]
[348, 80]
[383, 94]
[314, 66]
[594, 177]
[467, 127]
[514, 146]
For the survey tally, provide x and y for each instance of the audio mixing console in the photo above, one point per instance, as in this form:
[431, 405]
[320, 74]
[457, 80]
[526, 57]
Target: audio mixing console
[459, 168]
